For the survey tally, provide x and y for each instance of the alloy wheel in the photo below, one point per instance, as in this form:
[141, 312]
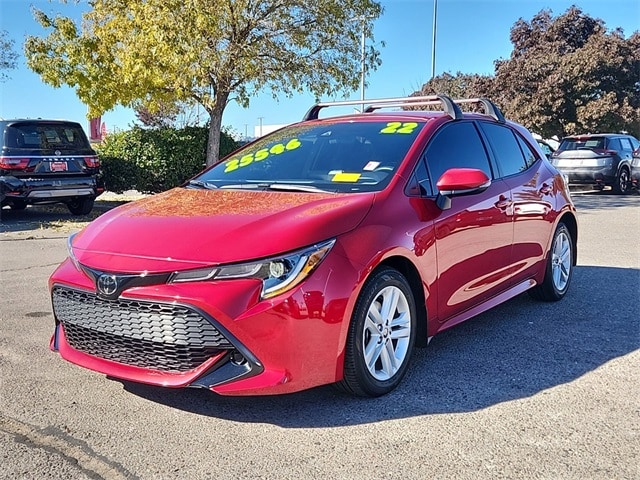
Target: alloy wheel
[387, 332]
[561, 261]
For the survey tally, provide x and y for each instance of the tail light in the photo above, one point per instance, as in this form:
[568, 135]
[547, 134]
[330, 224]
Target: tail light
[92, 162]
[13, 163]
[601, 151]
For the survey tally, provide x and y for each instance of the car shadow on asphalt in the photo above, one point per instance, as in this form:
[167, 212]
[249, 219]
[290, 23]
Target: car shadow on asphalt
[517, 350]
[603, 200]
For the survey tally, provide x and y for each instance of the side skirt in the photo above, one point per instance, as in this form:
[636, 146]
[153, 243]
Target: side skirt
[492, 302]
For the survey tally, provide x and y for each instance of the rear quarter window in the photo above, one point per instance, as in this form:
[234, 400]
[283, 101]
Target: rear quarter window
[626, 144]
[530, 156]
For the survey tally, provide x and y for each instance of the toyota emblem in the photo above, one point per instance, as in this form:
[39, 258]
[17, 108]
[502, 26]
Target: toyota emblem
[58, 153]
[107, 284]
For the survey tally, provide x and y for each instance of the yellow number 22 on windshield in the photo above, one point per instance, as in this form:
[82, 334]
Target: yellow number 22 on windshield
[399, 127]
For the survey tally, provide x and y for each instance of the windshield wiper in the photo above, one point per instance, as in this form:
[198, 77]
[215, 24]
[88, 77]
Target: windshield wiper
[201, 184]
[290, 187]
[243, 186]
[293, 187]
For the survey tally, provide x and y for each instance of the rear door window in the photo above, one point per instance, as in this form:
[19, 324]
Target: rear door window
[505, 149]
[614, 144]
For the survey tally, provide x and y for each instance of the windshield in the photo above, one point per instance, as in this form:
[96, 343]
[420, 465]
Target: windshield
[335, 157]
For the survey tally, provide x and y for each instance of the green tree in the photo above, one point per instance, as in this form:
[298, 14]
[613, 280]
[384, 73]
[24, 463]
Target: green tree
[8, 57]
[569, 74]
[160, 52]
[157, 159]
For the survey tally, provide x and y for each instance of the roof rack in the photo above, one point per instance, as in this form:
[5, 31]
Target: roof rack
[490, 108]
[449, 106]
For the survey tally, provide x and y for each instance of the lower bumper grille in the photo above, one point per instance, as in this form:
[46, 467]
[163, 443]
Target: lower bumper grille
[164, 337]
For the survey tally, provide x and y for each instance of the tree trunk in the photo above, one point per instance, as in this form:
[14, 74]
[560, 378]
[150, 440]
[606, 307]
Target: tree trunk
[213, 141]
[215, 128]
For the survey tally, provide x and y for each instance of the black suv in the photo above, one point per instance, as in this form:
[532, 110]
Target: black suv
[597, 159]
[47, 161]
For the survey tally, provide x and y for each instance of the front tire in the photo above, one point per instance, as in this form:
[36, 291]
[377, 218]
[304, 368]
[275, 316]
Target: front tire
[559, 271]
[381, 335]
[81, 206]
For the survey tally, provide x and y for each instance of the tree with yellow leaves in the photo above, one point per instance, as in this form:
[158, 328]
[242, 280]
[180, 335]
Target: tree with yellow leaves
[160, 52]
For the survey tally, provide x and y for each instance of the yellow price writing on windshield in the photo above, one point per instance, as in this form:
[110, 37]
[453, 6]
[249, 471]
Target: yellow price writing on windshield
[260, 155]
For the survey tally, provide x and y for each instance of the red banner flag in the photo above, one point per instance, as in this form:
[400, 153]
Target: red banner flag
[95, 132]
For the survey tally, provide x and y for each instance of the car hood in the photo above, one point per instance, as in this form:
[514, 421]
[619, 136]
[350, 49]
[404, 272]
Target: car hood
[184, 228]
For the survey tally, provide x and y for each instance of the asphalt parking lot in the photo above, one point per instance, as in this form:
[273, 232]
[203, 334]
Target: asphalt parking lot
[528, 390]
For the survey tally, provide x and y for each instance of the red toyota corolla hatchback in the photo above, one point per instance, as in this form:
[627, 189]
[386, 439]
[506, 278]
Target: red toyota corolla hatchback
[322, 253]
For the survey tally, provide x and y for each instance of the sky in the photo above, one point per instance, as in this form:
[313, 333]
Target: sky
[470, 36]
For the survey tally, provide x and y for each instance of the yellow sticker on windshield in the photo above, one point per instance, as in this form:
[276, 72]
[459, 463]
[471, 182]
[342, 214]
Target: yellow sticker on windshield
[399, 127]
[346, 177]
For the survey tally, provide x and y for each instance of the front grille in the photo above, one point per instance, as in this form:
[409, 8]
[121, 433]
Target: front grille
[164, 337]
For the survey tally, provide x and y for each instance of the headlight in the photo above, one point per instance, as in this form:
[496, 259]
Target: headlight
[278, 274]
[72, 256]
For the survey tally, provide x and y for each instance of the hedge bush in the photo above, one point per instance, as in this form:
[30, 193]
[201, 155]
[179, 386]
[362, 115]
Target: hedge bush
[155, 160]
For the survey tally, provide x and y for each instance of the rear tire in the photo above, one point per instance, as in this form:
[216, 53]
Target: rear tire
[381, 336]
[621, 186]
[81, 206]
[559, 271]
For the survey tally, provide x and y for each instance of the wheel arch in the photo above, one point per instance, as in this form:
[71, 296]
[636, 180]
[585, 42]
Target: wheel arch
[624, 163]
[410, 272]
[569, 219]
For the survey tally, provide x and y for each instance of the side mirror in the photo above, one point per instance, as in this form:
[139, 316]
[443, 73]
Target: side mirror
[456, 182]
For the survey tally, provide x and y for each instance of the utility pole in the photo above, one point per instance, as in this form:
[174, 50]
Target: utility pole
[260, 120]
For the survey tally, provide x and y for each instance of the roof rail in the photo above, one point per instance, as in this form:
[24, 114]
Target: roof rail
[449, 106]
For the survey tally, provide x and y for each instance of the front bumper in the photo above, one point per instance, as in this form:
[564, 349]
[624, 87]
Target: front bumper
[47, 189]
[213, 334]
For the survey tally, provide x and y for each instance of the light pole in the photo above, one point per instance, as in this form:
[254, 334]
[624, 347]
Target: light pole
[363, 56]
[260, 120]
[433, 41]
[362, 65]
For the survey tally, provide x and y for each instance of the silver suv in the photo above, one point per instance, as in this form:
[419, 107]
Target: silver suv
[600, 160]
